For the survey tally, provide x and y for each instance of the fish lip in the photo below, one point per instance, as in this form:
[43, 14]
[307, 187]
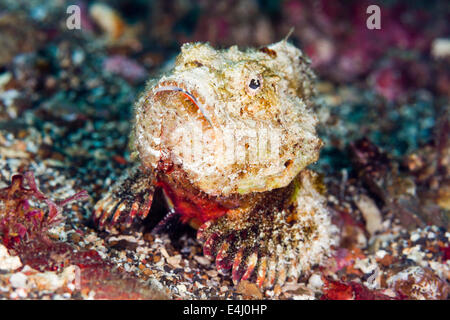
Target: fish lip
[190, 95]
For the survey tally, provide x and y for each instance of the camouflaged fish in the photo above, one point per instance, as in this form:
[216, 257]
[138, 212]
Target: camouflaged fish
[227, 136]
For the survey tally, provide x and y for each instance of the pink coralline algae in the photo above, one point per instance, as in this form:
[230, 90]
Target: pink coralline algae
[19, 219]
[125, 67]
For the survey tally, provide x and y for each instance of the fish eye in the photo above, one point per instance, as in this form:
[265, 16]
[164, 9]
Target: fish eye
[254, 84]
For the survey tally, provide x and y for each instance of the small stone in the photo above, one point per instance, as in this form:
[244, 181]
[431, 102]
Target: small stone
[147, 272]
[181, 288]
[75, 237]
[419, 283]
[249, 289]
[18, 280]
[174, 260]
[202, 260]
[315, 282]
[415, 236]
[7, 262]
[164, 253]
[380, 254]
[371, 213]
[212, 273]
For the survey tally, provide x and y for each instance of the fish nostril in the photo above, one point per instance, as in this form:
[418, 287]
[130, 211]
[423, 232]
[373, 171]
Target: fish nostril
[188, 95]
[288, 163]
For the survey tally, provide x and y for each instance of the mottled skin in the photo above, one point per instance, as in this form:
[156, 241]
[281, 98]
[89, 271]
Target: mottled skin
[259, 212]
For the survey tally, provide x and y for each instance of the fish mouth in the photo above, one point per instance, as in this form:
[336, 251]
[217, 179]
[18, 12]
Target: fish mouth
[193, 97]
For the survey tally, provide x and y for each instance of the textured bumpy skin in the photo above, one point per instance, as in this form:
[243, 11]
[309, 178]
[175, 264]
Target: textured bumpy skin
[227, 135]
[280, 237]
[219, 81]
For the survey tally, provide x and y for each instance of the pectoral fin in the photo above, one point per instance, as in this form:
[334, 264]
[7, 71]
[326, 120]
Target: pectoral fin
[128, 201]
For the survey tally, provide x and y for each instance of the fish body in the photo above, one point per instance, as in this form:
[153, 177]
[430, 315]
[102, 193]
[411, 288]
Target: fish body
[227, 135]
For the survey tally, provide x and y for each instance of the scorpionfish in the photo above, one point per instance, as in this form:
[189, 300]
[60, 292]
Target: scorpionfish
[227, 136]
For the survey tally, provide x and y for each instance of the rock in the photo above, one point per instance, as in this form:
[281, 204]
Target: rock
[202, 260]
[371, 213]
[440, 48]
[249, 289]
[419, 283]
[18, 280]
[7, 262]
[315, 282]
[174, 261]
